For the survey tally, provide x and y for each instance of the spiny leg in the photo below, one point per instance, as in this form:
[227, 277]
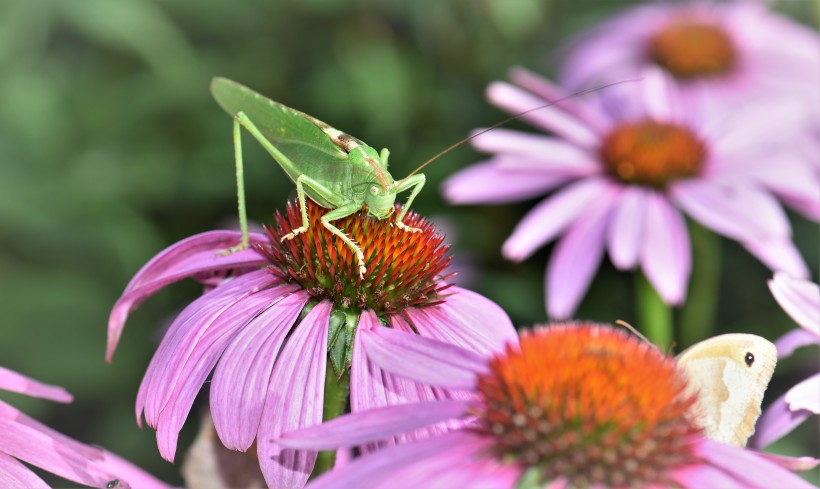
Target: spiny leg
[240, 187]
[339, 213]
[416, 182]
[300, 193]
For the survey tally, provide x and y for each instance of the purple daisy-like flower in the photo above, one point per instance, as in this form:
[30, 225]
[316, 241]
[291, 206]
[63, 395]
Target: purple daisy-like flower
[622, 164]
[801, 300]
[576, 405]
[729, 52]
[23, 439]
[280, 316]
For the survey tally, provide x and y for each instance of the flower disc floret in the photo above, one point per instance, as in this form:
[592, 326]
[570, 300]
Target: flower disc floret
[691, 49]
[404, 269]
[652, 153]
[590, 404]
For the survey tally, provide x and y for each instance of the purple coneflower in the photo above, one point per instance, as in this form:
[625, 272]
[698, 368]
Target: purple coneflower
[23, 439]
[801, 300]
[575, 405]
[729, 52]
[280, 315]
[626, 160]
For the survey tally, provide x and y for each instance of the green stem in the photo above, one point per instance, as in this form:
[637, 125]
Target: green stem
[336, 391]
[697, 319]
[654, 315]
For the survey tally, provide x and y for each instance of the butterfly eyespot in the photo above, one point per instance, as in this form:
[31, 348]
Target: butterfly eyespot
[749, 358]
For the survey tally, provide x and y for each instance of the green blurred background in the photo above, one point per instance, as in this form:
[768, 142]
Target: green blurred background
[111, 148]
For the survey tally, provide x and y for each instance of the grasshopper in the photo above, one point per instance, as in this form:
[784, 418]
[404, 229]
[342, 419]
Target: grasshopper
[334, 169]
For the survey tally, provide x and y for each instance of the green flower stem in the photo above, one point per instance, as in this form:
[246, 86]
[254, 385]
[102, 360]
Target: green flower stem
[697, 319]
[336, 392]
[654, 315]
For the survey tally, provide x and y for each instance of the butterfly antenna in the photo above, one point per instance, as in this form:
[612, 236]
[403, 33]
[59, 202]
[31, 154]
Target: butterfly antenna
[514, 117]
[637, 333]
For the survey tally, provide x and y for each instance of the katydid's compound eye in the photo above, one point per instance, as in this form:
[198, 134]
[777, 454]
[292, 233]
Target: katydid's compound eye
[374, 190]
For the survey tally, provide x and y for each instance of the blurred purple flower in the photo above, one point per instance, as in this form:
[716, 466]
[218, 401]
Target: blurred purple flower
[801, 300]
[731, 53]
[570, 406]
[23, 439]
[270, 355]
[625, 161]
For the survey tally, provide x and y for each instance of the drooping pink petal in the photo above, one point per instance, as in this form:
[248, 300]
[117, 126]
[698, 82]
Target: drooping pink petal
[625, 233]
[379, 470]
[14, 382]
[550, 217]
[780, 255]
[14, 475]
[740, 212]
[746, 466]
[465, 319]
[240, 382]
[795, 464]
[515, 101]
[295, 400]
[548, 154]
[128, 474]
[659, 95]
[794, 339]
[576, 257]
[777, 421]
[703, 476]
[492, 182]
[191, 256]
[423, 359]
[800, 299]
[372, 425]
[805, 395]
[666, 255]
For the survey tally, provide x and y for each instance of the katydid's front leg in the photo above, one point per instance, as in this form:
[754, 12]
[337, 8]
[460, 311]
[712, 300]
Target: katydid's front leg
[416, 182]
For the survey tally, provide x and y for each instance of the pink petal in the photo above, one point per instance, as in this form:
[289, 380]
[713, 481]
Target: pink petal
[794, 464]
[491, 182]
[576, 257]
[776, 422]
[546, 154]
[805, 395]
[658, 94]
[625, 234]
[549, 218]
[14, 382]
[374, 424]
[740, 212]
[749, 468]
[465, 319]
[553, 119]
[422, 359]
[191, 256]
[666, 255]
[379, 470]
[794, 339]
[128, 474]
[295, 400]
[14, 475]
[800, 299]
[240, 381]
[779, 254]
[703, 476]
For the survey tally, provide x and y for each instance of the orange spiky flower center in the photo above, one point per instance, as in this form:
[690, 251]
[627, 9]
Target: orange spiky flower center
[404, 269]
[652, 153]
[691, 49]
[588, 404]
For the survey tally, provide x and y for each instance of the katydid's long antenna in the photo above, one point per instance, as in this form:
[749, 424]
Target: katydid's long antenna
[514, 117]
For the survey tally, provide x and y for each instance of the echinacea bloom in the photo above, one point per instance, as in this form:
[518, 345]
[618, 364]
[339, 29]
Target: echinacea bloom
[279, 316]
[572, 405]
[801, 300]
[732, 53]
[622, 164]
[25, 440]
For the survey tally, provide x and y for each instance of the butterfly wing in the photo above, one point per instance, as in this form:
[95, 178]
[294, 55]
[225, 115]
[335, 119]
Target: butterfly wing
[729, 374]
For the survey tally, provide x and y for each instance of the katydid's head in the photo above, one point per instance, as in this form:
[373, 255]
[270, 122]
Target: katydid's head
[380, 201]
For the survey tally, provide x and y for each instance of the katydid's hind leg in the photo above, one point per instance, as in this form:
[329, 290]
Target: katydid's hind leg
[339, 213]
[300, 193]
[240, 187]
[416, 182]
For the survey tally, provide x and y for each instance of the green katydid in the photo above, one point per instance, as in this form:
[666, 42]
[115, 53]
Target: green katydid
[334, 169]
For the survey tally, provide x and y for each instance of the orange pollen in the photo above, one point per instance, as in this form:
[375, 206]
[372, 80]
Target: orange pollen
[589, 404]
[404, 269]
[652, 153]
[691, 49]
